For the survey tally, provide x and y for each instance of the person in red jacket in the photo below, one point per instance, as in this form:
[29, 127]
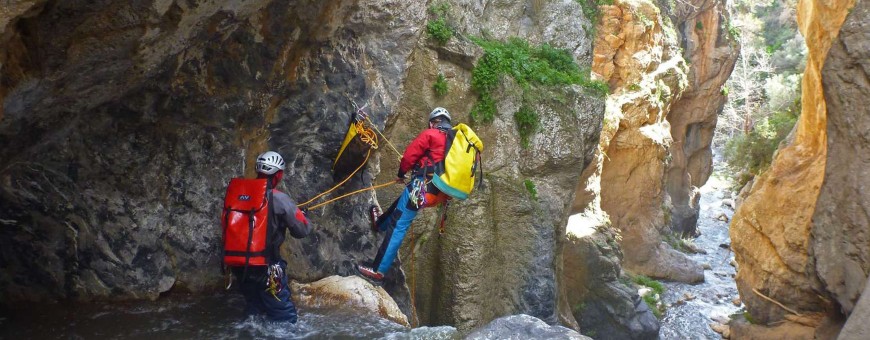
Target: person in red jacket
[422, 156]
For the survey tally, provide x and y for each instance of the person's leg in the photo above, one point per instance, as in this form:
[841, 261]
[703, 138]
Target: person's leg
[398, 234]
[383, 248]
[250, 289]
[279, 307]
[389, 217]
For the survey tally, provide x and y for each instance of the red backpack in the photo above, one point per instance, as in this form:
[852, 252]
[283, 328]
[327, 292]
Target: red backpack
[245, 222]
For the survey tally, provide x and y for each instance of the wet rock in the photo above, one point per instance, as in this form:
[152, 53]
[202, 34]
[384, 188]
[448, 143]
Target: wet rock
[706, 266]
[338, 292]
[736, 301]
[522, 327]
[722, 217]
[724, 330]
[728, 203]
[688, 296]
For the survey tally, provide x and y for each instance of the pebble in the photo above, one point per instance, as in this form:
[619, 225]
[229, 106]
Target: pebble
[724, 330]
[736, 301]
[688, 297]
[706, 266]
[722, 217]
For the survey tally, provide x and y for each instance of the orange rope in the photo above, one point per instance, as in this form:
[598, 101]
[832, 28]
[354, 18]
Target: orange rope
[353, 193]
[366, 136]
[339, 184]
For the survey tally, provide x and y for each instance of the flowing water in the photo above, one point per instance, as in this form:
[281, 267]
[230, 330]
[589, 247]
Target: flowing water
[692, 308]
[216, 316]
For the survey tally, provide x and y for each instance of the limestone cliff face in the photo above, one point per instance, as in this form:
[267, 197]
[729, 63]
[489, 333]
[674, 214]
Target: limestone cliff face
[500, 252]
[711, 53]
[637, 52]
[773, 231]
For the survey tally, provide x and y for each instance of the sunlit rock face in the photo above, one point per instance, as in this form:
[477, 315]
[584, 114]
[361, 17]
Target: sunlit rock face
[781, 251]
[642, 179]
[711, 52]
[348, 293]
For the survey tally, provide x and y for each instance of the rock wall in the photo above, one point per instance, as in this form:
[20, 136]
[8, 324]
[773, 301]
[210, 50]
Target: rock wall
[123, 121]
[711, 53]
[772, 230]
[637, 53]
[500, 252]
[841, 223]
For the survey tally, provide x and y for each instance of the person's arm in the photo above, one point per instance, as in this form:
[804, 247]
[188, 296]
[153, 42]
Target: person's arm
[414, 152]
[291, 216]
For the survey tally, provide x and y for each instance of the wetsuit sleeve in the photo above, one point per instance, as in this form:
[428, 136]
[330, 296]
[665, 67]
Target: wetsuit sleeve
[291, 216]
[414, 152]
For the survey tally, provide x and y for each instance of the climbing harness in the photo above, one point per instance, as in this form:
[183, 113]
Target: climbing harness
[273, 280]
[417, 196]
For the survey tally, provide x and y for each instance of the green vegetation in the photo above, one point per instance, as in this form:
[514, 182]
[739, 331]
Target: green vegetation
[527, 123]
[634, 87]
[440, 86]
[680, 244]
[748, 317]
[656, 286]
[699, 25]
[438, 29]
[530, 66]
[653, 305]
[531, 188]
[651, 299]
[724, 90]
[754, 151]
[591, 9]
[440, 9]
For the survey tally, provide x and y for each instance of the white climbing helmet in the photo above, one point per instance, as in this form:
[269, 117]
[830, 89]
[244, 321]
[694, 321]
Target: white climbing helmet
[439, 112]
[269, 163]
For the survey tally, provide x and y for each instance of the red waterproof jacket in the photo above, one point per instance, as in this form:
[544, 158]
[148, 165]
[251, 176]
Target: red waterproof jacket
[427, 149]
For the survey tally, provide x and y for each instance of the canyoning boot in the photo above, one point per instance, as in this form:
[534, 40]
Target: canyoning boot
[374, 214]
[370, 275]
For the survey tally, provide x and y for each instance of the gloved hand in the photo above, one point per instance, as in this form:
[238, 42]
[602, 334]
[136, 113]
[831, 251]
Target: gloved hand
[400, 177]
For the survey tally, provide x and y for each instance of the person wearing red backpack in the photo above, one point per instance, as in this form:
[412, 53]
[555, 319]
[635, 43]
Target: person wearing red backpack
[421, 156]
[265, 286]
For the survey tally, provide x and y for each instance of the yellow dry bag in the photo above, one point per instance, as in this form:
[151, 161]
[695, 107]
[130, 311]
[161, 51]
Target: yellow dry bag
[455, 176]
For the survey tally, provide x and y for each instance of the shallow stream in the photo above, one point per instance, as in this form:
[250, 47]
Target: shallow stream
[692, 308]
[197, 317]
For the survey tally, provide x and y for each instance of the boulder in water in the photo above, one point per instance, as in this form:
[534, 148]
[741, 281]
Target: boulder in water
[348, 292]
[523, 326]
